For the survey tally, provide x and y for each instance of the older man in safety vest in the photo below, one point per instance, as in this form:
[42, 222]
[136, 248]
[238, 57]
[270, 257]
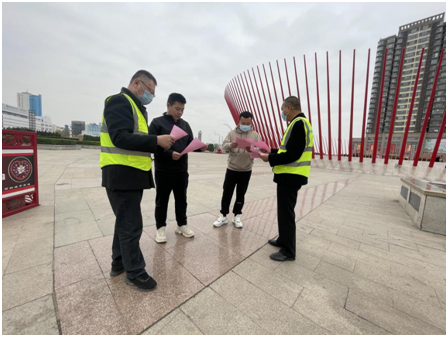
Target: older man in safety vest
[126, 164]
[291, 166]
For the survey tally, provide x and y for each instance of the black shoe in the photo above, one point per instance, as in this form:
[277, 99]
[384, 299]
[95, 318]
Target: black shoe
[116, 272]
[274, 243]
[143, 282]
[280, 257]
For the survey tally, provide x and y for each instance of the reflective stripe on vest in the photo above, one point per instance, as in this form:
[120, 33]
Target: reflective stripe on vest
[302, 166]
[112, 155]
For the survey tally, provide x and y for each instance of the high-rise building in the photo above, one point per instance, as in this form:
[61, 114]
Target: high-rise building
[428, 33]
[200, 135]
[78, 127]
[93, 129]
[31, 102]
[13, 117]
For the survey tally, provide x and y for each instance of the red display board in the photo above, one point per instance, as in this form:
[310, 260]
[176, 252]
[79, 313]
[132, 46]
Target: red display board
[20, 188]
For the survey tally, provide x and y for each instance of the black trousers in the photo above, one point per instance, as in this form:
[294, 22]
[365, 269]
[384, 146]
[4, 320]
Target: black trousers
[286, 202]
[126, 252]
[165, 183]
[241, 181]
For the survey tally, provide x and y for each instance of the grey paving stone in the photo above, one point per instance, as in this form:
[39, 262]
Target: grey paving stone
[32, 318]
[408, 286]
[335, 238]
[159, 325]
[269, 281]
[355, 282]
[421, 310]
[388, 318]
[318, 283]
[66, 235]
[212, 314]
[332, 316]
[26, 285]
[31, 254]
[74, 218]
[268, 312]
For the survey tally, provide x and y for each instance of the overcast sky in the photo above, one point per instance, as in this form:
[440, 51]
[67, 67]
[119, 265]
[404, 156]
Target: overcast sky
[77, 54]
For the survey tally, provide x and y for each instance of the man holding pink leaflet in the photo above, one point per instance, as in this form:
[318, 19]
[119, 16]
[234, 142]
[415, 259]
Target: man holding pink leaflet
[171, 167]
[239, 170]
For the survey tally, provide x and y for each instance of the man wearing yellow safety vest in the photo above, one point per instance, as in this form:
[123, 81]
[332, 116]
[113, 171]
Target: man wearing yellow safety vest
[126, 164]
[291, 166]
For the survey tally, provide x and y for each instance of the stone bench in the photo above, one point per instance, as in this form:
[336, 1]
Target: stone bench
[425, 203]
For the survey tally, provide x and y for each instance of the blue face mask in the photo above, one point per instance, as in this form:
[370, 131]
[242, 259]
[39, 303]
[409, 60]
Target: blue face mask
[245, 128]
[284, 116]
[146, 98]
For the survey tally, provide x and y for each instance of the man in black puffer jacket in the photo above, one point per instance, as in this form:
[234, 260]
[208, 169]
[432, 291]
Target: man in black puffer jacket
[171, 168]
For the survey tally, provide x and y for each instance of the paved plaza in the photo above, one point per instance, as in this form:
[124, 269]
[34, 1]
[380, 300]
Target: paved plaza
[362, 266]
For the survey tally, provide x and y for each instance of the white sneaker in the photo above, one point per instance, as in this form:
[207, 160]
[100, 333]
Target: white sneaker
[237, 221]
[160, 235]
[222, 220]
[185, 231]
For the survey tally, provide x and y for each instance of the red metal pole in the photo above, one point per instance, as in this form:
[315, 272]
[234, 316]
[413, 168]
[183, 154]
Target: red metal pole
[350, 140]
[287, 78]
[231, 108]
[238, 93]
[363, 130]
[318, 108]
[340, 112]
[308, 96]
[297, 81]
[276, 99]
[408, 123]
[394, 111]
[254, 112]
[269, 139]
[246, 101]
[280, 79]
[274, 139]
[378, 119]
[232, 89]
[261, 123]
[329, 118]
[428, 111]
[279, 139]
[439, 139]
[232, 103]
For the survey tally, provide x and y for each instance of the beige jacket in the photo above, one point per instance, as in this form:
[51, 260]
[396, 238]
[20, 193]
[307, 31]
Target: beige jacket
[239, 159]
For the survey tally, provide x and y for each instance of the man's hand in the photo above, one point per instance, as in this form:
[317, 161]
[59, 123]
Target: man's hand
[248, 149]
[176, 155]
[204, 148]
[265, 151]
[264, 157]
[165, 141]
[233, 145]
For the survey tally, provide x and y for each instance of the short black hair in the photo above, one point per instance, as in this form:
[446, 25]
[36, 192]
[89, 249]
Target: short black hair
[246, 114]
[175, 97]
[294, 102]
[143, 73]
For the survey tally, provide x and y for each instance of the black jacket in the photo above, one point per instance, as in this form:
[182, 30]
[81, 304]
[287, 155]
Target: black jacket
[295, 147]
[164, 158]
[120, 124]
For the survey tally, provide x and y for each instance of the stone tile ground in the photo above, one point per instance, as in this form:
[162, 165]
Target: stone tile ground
[362, 267]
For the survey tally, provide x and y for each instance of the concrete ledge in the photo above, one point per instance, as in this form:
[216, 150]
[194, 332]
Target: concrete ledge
[91, 147]
[58, 147]
[425, 204]
[422, 171]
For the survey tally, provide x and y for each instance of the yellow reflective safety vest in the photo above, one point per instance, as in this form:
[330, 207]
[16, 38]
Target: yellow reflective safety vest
[302, 166]
[111, 155]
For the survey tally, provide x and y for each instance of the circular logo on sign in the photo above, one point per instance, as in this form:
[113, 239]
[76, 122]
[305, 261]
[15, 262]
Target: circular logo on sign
[20, 169]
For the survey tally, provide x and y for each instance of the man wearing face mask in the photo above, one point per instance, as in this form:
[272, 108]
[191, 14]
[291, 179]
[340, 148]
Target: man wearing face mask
[126, 165]
[291, 166]
[172, 168]
[239, 170]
